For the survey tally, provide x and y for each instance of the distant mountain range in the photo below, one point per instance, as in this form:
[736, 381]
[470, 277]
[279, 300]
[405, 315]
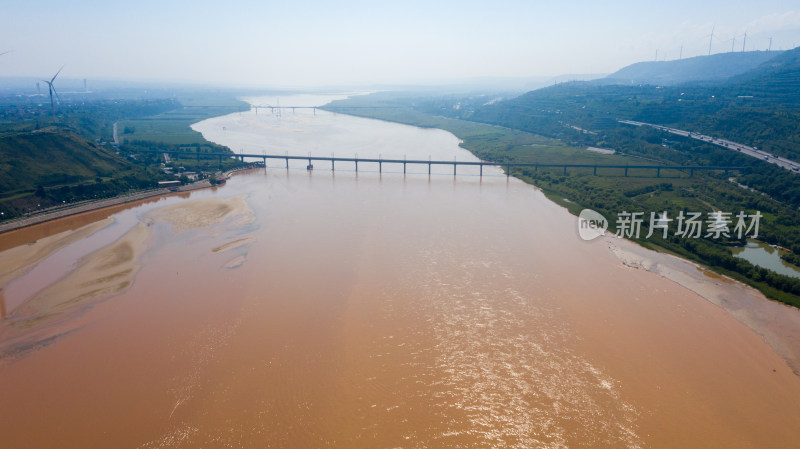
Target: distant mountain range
[752, 98]
[699, 69]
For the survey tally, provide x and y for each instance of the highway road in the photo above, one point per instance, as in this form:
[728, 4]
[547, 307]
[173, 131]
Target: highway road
[782, 162]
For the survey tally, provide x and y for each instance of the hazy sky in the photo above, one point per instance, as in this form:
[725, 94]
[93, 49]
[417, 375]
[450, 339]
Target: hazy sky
[302, 43]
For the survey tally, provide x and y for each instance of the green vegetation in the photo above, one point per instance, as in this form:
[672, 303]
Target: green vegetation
[170, 131]
[173, 126]
[55, 166]
[67, 158]
[791, 258]
[46, 162]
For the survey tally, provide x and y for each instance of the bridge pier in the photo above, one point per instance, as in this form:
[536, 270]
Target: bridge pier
[626, 171]
[595, 170]
[508, 170]
[429, 168]
[404, 168]
[356, 165]
[333, 168]
[454, 168]
[658, 172]
[565, 169]
[287, 163]
[481, 175]
[691, 172]
[380, 167]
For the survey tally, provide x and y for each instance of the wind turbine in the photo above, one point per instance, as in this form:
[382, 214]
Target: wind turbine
[745, 41]
[53, 91]
[710, 39]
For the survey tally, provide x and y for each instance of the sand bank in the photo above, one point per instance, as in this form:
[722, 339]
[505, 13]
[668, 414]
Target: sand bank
[108, 271]
[203, 213]
[17, 261]
[777, 323]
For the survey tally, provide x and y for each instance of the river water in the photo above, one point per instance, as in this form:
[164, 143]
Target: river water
[295, 308]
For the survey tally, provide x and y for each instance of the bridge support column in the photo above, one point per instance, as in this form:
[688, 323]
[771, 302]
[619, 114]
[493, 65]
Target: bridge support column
[380, 167]
[333, 167]
[404, 168]
[658, 172]
[626, 171]
[565, 169]
[508, 170]
[429, 168]
[356, 165]
[481, 171]
[454, 168]
[595, 170]
[287, 163]
[691, 172]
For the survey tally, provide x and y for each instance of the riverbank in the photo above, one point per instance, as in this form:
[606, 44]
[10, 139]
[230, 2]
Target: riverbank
[777, 323]
[102, 204]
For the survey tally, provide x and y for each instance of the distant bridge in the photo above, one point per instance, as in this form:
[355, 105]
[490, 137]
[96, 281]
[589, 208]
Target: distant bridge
[455, 163]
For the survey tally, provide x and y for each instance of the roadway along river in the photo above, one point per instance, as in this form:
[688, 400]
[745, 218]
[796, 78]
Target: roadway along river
[317, 309]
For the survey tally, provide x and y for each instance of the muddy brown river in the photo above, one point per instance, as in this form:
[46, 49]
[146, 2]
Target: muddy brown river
[301, 309]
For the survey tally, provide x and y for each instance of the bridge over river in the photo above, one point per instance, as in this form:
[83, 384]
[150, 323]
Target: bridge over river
[596, 168]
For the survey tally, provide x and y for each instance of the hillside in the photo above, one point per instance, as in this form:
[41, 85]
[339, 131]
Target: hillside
[52, 157]
[713, 68]
[759, 108]
[777, 78]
